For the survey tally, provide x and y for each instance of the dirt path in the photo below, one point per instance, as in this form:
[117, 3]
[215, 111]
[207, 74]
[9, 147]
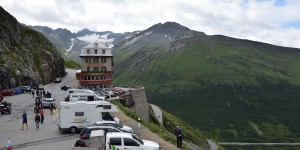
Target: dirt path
[143, 132]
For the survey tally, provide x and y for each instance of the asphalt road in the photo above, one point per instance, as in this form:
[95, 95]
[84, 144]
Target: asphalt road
[47, 137]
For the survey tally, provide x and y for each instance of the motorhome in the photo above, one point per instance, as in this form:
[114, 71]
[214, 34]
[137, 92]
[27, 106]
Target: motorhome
[85, 97]
[74, 116]
[80, 91]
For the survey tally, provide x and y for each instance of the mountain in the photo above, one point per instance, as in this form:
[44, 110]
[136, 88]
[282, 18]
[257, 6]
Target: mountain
[70, 44]
[64, 40]
[231, 89]
[27, 57]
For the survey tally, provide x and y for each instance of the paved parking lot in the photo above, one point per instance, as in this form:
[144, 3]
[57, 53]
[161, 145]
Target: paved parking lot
[47, 137]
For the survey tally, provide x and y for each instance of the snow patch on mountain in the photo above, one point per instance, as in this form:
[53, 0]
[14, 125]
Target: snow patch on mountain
[72, 43]
[89, 38]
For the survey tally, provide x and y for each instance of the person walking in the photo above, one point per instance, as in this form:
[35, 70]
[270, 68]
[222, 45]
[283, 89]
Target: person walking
[42, 115]
[178, 133]
[24, 117]
[32, 92]
[51, 108]
[37, 120]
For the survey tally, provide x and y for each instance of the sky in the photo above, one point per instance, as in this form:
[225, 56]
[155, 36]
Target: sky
[271, 21]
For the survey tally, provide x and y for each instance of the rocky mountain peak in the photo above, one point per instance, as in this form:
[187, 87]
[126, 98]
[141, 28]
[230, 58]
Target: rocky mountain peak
[83, 32]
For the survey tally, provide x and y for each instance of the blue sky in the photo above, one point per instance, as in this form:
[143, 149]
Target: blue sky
[271, 21]
[280, 3]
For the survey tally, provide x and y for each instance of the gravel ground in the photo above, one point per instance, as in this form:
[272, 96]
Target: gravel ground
[144, 133]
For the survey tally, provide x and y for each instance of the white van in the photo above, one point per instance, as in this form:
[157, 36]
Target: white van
[74, 116]
[85, 97]
[115, 140]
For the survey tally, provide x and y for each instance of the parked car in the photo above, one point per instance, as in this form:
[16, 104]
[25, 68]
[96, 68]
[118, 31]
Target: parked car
[47, 101]
[25, 89]
[1, 98]
[86, 132]
[17, 90]
[65, 88]
[7, 92]
[35, 87]
[41, 87]
[114, 124]
[57, 80]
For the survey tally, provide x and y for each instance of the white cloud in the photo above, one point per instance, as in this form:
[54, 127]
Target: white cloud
[260, 20]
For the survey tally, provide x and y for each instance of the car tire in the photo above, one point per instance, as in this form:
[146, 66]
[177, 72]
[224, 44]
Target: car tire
[73, 130]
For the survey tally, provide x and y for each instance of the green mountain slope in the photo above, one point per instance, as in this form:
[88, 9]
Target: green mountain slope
[231, 89]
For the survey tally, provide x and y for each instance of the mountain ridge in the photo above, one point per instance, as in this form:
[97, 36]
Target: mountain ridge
[232, 81]
[237, 75]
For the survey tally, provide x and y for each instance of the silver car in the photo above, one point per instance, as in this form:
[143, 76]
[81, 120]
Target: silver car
[47, 101]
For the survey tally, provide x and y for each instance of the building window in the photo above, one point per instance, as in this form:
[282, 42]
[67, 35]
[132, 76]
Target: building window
[88, 69]
[96, 44]
[89, 78]
[88, 60]
[96, 60]
[97, 77]
[95, 69]
[96, 51]
[103, 51]
[103, 60]
[88, 51]
[103, 69]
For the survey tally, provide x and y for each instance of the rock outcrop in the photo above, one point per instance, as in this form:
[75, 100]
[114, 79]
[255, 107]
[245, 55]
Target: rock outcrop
[26, 56]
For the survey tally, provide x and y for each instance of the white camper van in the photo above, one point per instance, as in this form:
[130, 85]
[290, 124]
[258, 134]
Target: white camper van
[85, 97]
[74, 116]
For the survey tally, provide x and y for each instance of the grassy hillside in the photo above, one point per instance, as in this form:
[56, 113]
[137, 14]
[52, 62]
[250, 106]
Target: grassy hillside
[231, 89]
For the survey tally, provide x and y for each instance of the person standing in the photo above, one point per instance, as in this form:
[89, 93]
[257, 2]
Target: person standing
[37, 120]
[42, 115]
[178, 133]
[24, 117]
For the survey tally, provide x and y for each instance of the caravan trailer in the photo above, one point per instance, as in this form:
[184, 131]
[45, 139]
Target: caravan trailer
[85, 97]
[74, 116]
